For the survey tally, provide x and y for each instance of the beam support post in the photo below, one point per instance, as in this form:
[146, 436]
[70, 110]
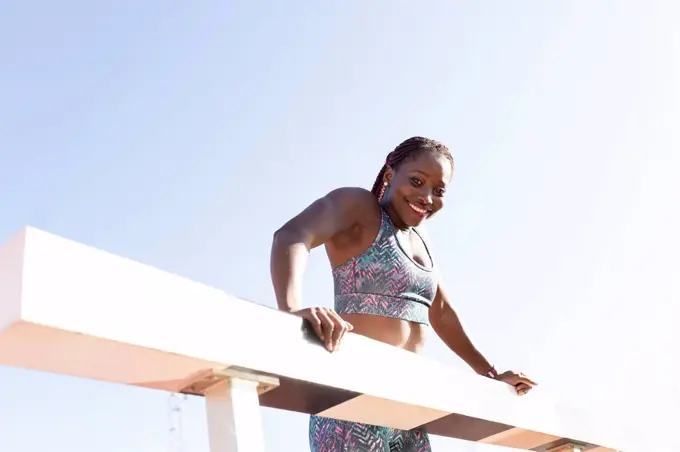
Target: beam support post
[233, 407]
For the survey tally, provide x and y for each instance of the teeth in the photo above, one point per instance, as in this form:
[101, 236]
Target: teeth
[417, 209]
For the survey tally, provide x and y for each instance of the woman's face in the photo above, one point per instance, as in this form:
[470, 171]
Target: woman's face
[416, 188]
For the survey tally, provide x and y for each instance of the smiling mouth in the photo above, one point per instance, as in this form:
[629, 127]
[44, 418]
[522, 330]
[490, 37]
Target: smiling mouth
[419, 210]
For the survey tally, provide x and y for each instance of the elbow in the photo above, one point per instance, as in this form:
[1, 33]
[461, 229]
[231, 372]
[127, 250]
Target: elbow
[279, 238]
[285, 237]
[282, 234]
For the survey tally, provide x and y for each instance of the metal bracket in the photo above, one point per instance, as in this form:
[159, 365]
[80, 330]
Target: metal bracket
[569, 447]
[200, 383]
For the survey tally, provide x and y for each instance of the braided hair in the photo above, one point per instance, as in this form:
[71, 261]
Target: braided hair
[408, 149]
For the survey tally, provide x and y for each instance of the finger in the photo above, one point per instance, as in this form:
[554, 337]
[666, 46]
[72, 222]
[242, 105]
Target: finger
[341, 327]
[526, 381]
[327, 327]
[522, 389]
[316, 324]
[338, 328]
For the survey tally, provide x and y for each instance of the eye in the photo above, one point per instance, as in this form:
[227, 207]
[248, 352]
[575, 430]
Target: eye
[416, 182]
[439, 192]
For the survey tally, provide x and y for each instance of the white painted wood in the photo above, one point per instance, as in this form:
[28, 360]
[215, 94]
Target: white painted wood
[70, 309]
[234, 417]
[392, 414]
[518, 438]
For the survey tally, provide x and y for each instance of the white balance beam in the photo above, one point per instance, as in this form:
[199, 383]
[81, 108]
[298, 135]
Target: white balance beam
[69, 309]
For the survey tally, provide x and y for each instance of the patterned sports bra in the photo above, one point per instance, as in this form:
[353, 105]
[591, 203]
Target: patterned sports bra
[386, 281]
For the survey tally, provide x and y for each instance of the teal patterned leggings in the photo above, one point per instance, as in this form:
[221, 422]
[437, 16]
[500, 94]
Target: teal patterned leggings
[331, 435]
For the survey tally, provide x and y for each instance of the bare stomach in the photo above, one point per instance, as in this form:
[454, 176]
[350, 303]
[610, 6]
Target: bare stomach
[396, 332]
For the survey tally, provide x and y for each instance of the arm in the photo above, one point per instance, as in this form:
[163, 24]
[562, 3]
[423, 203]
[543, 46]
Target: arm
[447, 325]
[319, 223]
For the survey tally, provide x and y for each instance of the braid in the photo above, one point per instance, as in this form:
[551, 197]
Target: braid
[378, 184]
[408, 149]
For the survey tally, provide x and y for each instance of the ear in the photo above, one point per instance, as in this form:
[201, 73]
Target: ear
[388, 175]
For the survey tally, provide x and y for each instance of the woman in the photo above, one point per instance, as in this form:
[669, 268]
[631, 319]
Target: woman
[385, 282]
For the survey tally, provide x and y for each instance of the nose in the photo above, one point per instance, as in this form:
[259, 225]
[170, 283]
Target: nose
[425, 197]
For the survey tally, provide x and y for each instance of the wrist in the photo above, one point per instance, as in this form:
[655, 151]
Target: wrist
[289, 304]
[491, 373]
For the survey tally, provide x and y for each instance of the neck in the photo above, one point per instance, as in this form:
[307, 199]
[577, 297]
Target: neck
[396, 221]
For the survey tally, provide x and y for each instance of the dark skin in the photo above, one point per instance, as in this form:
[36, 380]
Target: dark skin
[346, 221]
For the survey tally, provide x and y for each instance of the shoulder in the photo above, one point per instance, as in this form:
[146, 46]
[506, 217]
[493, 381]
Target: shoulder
[357, 219]
[353, 200]
[353, 194]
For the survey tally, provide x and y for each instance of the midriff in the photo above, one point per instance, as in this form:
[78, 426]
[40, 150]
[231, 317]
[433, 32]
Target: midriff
[396, 332]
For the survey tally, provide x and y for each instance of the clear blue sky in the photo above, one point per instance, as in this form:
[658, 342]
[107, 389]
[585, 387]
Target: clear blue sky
[183, 134]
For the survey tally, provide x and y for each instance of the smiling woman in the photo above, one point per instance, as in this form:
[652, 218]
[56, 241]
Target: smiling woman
[386, 286]
[427, 167]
